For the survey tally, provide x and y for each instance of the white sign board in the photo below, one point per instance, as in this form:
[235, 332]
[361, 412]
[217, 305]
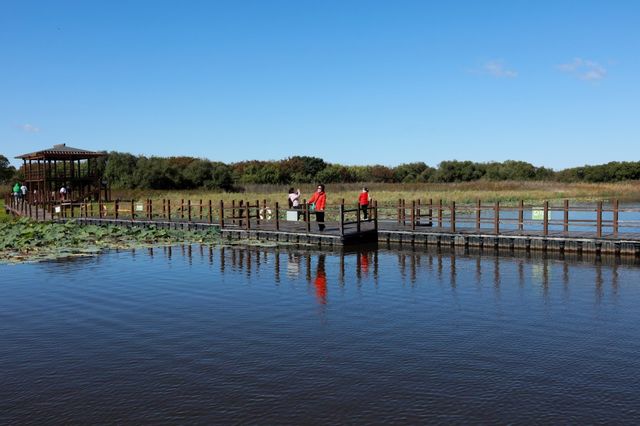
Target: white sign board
[57, 209]
[538, 214]
[292, 215]
[139, 207]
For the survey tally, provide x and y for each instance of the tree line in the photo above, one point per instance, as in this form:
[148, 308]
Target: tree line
[127, 171]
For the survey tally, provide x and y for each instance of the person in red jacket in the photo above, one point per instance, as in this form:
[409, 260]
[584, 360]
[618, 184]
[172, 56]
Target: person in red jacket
[363, 202]
[319, 200]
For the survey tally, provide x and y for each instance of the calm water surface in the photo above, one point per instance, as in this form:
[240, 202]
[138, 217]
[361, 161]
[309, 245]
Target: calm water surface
[211, 335]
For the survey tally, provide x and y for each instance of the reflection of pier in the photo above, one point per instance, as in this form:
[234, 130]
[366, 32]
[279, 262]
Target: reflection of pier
[358, 267]
[598, 228]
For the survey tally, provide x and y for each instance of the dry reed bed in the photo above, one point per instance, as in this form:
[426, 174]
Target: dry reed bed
[508, 193]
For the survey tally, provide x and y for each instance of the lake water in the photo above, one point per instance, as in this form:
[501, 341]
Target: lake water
[257, 335]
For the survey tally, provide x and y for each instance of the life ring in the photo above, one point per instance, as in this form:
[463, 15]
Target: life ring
[265, 213]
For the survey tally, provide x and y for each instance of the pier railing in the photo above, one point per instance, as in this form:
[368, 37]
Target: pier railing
[238, 214]
[496, 218]
[599, 219]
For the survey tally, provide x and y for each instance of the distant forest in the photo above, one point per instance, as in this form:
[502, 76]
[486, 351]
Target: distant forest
[127, 171]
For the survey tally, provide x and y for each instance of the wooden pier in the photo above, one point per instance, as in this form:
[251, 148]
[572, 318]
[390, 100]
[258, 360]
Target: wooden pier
[601, 228]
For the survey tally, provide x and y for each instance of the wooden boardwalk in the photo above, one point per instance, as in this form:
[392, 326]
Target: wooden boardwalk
[429, 227]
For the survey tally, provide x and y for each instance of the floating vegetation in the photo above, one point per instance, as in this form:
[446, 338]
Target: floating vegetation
[24, 240]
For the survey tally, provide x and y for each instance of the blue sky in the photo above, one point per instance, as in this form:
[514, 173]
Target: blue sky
[554, 83]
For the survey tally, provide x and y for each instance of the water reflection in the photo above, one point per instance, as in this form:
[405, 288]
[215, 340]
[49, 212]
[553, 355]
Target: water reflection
[414, 267]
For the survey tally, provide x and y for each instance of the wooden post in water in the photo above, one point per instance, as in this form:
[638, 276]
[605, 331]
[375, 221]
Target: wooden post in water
[521, 216]
[453, 216]
[616, 209]
[221, 214]
[545, 223]
[496, 218]
[599, 219]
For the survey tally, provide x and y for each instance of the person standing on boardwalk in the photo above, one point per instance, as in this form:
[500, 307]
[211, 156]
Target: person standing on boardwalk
[23, 191]
[318, 202]
[363, 202]
[63, 193]
[294, 200]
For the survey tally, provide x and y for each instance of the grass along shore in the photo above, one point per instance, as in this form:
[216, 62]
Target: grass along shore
[388, 194]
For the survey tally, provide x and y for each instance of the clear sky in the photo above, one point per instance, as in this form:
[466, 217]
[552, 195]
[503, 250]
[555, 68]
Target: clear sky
[554, 83]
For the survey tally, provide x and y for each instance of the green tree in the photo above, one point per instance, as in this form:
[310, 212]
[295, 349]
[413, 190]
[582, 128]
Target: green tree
[6, 170]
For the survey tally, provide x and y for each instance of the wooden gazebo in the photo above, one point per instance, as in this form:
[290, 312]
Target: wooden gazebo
[46, 171]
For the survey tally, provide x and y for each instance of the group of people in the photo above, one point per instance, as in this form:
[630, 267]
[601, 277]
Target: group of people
[19, 191]
[318, 202]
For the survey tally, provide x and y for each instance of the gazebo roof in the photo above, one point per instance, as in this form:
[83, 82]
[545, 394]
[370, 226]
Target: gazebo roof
[61, 152]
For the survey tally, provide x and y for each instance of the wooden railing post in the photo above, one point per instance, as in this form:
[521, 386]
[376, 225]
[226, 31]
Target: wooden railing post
[277, 216]
[399, 207]
[169, 210]
[418, 211]
[413, 215]
[496, 218]
[430, 211]
[182, 208]
[375, 223]
[478, 213]
[306, 214]
[200, 210]
[248, 215]
[257, 212]
[133, 211]
[358, 219]
[221, 214]
[453, 216]
[599, 219]
[342, 218]
[233, 210]
[164, 208]
[116, 208]
[565, 219]
[440, 213]
[521, 215]
[210, 212]
[150, 209]
[616, 209]
[189, 210]
[545, 222]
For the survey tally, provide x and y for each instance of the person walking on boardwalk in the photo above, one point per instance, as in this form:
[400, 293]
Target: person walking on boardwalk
[16, 191]
[317, 202]
[23, 191]
[363, 202]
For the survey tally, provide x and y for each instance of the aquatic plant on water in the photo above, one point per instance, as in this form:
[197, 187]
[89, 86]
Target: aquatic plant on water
[25, 240]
